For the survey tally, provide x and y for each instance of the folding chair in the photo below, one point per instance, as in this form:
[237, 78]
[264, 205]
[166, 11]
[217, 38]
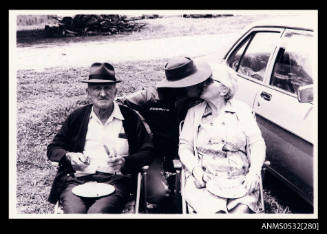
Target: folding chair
[136, 203]
[180, 183]
[181, 179]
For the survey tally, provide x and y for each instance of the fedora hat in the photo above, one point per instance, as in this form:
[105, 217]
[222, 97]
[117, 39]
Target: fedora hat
[102, 73]
[183, 72]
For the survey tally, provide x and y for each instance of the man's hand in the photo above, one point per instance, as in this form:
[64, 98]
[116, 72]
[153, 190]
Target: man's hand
[78, 161]
[252, 181]
[116, 163]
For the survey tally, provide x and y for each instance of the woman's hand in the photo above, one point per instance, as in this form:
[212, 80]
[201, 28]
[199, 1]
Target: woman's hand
[198, 173]
[252, 181]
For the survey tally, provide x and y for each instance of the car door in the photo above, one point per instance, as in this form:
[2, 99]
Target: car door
[249, 58]
[287, 125]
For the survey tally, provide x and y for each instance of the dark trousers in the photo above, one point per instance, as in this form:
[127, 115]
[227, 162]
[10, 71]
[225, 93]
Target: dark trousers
[113, 203]
[158, 187]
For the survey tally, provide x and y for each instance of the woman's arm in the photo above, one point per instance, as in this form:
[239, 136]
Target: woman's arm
[256, 145]
[256, 151]
[186, 144]
[186, 150]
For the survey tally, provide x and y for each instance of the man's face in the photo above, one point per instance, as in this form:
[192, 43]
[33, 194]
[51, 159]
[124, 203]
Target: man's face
[193, 91]
[102, 95]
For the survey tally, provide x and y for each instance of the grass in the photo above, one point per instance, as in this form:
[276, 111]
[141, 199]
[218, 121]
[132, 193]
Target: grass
[45, 98]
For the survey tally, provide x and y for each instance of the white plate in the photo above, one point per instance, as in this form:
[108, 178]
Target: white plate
[226, 188]
[93, 189]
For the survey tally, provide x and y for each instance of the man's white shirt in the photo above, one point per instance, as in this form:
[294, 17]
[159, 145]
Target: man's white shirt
[111, 134]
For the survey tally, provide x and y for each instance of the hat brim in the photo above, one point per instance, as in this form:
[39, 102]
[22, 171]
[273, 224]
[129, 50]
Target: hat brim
[203, 72]
[99, 81]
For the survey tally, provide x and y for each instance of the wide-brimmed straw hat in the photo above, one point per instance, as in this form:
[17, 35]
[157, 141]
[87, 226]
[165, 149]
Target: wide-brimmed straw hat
[184, 72]
[102, 73]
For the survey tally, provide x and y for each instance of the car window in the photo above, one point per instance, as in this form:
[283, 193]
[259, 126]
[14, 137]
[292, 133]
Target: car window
[234, 59]
[293, 67]
[258, 47]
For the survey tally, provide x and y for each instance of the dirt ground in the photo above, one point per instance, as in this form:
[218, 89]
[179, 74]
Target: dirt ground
[161, 38]
[82, 54]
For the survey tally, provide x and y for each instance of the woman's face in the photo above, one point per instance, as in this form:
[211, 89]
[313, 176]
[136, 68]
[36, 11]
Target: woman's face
[213, 89]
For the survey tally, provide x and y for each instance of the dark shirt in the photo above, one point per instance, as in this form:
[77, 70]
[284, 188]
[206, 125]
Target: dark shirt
[163, 117]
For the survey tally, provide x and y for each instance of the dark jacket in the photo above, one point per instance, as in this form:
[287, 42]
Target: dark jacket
[163, 114]
[71, 138]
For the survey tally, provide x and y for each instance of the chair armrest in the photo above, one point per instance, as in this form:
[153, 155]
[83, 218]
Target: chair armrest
[177, 164]
[141, 189]
[54, 164]
[145, 169]
[178, 168]
[265, 165]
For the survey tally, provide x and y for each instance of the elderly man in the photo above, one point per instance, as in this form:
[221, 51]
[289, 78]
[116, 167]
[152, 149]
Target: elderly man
[163, 107]
[101, 142]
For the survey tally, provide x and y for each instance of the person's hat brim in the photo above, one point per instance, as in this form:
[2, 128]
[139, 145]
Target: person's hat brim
[99, 81]
[203, 72]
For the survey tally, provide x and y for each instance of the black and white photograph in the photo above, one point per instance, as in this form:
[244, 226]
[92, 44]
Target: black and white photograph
[163, 114]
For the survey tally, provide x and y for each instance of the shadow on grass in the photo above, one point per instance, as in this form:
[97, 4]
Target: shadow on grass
[27, 38]
[281, 199]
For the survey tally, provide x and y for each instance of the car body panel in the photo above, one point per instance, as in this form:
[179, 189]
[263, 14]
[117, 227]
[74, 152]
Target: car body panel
[287, 125]
[291, 158]
[286, 111]
[249, 94]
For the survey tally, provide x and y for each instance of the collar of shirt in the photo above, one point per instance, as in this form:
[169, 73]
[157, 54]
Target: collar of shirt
[229, 107]
[116, 113]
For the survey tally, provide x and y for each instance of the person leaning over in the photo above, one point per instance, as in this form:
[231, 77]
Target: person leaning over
[222, 149]
[102, 142]
[163, 107]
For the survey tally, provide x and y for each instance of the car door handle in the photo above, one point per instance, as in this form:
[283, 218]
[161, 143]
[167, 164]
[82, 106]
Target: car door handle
[266, 96]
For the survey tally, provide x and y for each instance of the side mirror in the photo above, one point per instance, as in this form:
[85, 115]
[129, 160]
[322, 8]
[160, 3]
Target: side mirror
[305, 94]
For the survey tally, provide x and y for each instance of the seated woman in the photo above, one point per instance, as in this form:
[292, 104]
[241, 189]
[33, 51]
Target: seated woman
[221, 145]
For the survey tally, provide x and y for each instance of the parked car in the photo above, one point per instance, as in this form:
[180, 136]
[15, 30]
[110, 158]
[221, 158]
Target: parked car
[274, 63]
